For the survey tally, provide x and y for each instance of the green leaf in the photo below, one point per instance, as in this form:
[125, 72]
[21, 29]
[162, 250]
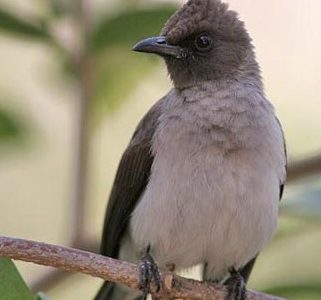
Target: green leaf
[41, 296]
[13, 25]
[11, 127]
[12, 286]
[129, 26]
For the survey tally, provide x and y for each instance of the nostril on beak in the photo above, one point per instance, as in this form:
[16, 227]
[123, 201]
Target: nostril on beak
[161, 40]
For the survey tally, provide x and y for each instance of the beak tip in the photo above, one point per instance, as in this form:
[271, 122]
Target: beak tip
[144, 45]
[135, 47]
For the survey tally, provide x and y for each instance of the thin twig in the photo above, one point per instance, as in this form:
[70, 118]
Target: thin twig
[304, 168]
[69, 259]
[84, 69]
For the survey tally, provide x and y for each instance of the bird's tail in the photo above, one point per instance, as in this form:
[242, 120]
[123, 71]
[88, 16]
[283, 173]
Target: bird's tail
[106, 291]
[113, 291]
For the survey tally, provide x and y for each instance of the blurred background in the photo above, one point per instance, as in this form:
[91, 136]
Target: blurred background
[72, 92]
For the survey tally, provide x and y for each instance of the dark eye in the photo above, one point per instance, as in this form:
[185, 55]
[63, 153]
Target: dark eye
[203, 43]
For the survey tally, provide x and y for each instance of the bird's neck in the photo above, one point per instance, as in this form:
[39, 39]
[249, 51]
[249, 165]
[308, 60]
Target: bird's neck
[251, 81]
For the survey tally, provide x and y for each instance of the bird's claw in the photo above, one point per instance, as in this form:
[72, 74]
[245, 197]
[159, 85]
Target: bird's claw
[148, 271]
[235, 286]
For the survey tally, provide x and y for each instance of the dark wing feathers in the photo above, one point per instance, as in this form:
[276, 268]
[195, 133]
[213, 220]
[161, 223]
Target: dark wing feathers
[131, 179]
[281, 190]
[286, 158]
[247, 269]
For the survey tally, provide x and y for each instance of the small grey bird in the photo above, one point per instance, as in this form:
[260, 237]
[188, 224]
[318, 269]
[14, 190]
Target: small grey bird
[201, 179]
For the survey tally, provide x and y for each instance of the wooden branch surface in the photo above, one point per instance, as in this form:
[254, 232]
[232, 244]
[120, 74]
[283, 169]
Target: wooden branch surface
[69, 259]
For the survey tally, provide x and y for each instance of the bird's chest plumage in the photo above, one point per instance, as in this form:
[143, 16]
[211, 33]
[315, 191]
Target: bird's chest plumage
[209, 198]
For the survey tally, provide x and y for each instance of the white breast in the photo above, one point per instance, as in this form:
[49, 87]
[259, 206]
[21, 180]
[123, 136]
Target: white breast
[214, 188]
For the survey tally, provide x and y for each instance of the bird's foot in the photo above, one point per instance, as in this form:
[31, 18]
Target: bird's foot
[235, 286]
[148, 271]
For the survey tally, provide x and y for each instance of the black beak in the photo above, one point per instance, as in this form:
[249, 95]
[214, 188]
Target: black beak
[158, 45]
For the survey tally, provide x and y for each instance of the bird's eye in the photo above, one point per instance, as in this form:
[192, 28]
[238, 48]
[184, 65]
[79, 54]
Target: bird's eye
[203, 43]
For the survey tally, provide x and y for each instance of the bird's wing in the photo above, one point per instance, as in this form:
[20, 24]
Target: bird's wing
[130, 181]
[282, 180]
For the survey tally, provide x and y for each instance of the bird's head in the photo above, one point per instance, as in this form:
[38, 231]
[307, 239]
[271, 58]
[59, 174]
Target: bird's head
[203, 41]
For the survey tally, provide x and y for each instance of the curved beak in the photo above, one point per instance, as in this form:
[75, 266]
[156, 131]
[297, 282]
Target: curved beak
[158, 45]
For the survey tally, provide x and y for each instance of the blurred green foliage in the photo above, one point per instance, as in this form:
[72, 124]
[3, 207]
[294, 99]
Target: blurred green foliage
[118, 70]
[12, 285]
[61, 8]
[116, 75]
[129, 26]
[297, 291]
[11, 126]
[41, 296]
[13, 25]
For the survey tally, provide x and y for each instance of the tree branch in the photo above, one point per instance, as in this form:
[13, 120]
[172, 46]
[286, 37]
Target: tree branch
[305, 167]
[69, 259]
[83, 61]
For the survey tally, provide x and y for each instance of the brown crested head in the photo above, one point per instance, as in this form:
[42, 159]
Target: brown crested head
[203, 41]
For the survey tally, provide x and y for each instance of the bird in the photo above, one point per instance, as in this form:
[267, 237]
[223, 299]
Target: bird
[201, 179]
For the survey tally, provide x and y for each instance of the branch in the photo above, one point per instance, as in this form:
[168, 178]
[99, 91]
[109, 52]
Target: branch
[84, 69]
[109, 269]
[303, 168]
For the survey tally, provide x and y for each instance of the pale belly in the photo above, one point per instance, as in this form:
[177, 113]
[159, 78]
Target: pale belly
[213, 208]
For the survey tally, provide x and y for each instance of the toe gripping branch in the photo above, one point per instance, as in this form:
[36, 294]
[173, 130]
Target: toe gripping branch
[148, 271]
[235, 286]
